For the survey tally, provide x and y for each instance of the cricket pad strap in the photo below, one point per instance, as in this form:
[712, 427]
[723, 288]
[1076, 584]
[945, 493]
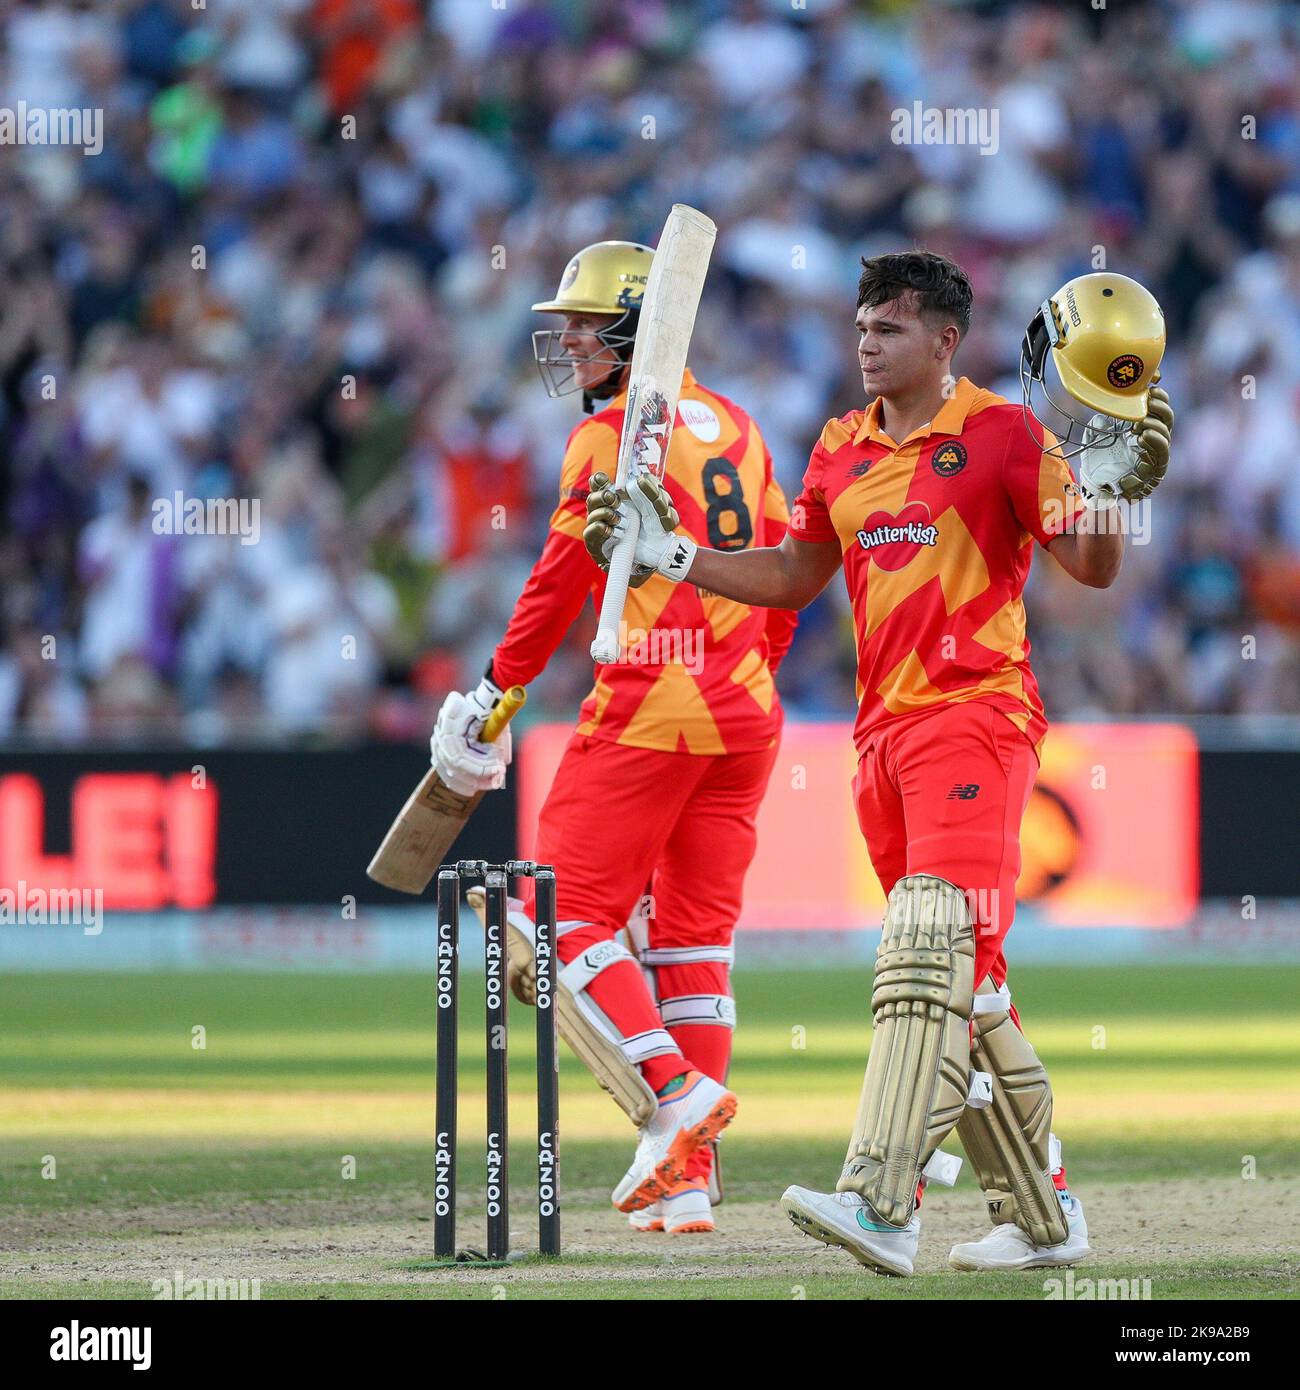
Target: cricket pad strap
[916, 1081]
[578, 973]
[718, 1009]
[587, 1031]
[686, 955]
[1008, 1141]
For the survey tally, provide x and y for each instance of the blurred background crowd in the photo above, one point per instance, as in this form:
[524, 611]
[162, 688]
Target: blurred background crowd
[300, 272]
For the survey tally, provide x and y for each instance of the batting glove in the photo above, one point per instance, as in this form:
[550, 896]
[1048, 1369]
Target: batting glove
[1131, 467]
[464, 763]
[658, 549]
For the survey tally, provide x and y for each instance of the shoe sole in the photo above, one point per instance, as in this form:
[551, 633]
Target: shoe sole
[671, 1169]
[1038, 1262]
[692, 1228]
[1063, 1263]
[811, 1226]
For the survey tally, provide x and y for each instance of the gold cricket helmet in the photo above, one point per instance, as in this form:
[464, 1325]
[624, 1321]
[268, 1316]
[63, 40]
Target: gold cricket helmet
[608, 277]
[1106, 334]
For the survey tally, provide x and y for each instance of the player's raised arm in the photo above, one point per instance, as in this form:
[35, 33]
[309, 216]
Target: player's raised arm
[1106, 335]
[789, 575]
[1127, 468]
[781, 622]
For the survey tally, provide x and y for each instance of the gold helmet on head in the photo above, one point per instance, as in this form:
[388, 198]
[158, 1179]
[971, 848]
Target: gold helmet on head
[608, 277]
[1106, 334]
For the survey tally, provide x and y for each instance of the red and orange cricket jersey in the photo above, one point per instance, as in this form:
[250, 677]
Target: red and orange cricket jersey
[937, 536]
[696, 674]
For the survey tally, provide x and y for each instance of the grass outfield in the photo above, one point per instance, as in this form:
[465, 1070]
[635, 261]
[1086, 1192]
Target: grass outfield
[128, 1152]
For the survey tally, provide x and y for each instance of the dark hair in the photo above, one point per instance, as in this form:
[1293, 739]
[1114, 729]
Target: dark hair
[938, 286]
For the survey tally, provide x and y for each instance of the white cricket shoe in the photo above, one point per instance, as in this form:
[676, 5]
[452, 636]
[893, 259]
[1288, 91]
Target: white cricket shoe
[647, 1219]
[1008, 1247]
[693, 1114]
[686, 1210]
[848, 1220]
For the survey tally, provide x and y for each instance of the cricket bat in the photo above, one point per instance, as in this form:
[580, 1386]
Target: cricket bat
[433, 816]
[672, 296]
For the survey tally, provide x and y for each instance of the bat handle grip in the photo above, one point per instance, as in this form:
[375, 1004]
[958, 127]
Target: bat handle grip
[505, 709]
[605, 648]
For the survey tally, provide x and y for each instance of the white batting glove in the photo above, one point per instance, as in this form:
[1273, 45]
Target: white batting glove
[1103, 462]
[1130, 467]
[464, 763]
[658, 549]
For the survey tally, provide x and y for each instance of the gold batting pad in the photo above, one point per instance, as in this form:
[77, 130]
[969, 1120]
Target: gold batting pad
[916, 1081]
[1007, 1140]
[603, 1058]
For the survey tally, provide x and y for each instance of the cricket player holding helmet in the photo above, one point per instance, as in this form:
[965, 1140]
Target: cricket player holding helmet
[661, 782]
[930, 499]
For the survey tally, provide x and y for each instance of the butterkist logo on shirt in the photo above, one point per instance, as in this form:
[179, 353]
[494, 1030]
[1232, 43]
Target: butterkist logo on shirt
[912, 533]
[895, 539]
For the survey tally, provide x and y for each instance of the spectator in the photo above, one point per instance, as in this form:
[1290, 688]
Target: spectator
[330, 621]
[130, 576]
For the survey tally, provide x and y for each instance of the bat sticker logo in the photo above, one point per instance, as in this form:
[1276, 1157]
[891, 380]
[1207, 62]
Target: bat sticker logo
[652, 430]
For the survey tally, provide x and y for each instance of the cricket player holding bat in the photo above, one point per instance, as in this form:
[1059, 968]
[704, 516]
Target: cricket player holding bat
[661, 781]
[931, 499]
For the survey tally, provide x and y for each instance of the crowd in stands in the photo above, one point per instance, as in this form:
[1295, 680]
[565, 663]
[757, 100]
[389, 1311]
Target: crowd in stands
[299, 272]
